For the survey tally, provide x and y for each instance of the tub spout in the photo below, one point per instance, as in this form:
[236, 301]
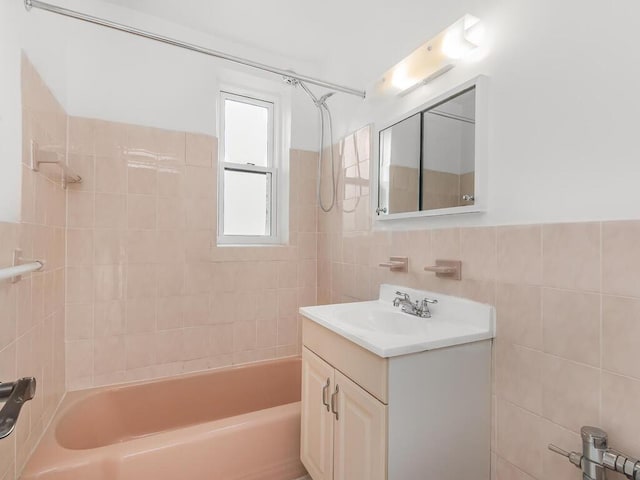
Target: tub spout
[18, 393]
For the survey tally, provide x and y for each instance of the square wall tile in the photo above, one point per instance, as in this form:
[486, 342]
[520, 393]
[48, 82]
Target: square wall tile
[479, 252]
[571, 256]
[141, 212]
[621, 335]
[571, 325]
[519, 314]
[570, 393]
[199, 150]
[520, 254]
[519, 376]
[142, 178]
[111, 175]
[525, 451]
[110, 210]
[621, 258]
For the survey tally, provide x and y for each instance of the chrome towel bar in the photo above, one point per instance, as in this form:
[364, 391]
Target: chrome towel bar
[20, 267]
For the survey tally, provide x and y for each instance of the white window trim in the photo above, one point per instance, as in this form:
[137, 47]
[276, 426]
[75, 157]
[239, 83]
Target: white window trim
[276, 162]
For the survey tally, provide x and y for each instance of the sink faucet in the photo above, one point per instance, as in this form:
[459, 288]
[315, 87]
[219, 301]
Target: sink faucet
[419, 309]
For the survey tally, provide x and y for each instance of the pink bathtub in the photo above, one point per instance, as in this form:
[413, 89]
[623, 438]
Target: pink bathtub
[234, 423]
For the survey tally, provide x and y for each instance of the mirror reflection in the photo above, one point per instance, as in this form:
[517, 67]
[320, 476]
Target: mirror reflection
[427, 161]
[400, 165]
[448, 137]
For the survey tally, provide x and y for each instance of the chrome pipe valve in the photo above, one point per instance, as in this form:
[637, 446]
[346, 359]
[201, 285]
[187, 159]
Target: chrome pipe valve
[17, 394]
[597, 457]
[628, 466]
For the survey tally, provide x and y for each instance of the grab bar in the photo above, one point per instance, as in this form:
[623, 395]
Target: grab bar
[19, 392]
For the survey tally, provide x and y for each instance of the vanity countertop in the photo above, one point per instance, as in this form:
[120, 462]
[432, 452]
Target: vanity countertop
[385, 330]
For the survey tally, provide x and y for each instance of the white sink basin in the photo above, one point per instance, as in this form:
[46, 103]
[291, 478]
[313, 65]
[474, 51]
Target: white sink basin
[386, 331]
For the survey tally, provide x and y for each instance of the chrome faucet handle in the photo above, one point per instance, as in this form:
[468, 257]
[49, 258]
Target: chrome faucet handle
[401, 297]
[574, 457]
[404, 295]
[423, 307]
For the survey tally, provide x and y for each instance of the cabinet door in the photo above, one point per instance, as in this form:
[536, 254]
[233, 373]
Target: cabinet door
[316, 446]
[360, 433]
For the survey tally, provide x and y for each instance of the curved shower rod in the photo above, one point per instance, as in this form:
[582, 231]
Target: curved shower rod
[29, 4]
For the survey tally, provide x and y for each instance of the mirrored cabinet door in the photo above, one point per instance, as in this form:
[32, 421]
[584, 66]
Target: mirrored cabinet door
[448, 151]
[399, 182]
[429, 161]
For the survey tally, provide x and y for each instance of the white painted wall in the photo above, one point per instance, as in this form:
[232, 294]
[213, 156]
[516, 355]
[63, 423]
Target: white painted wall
[563, 112]
[10, 113]
[120, 77]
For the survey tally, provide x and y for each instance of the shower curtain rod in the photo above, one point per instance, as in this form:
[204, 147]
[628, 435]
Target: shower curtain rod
[29, 4]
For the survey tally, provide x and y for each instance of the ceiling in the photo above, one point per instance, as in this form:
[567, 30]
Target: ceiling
[340, 33]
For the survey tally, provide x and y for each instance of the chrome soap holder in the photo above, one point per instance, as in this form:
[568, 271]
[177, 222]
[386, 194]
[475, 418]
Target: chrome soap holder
[597, 457]
[451, 269]
[396, 264]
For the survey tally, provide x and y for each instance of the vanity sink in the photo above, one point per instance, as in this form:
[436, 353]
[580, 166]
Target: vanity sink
[385, 330]
[383, 397]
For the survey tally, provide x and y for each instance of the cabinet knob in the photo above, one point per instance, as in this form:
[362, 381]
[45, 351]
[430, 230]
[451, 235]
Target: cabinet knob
[334, 396]
[324, 395]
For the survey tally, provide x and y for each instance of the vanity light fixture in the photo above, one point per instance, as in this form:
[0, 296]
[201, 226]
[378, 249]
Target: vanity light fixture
[433, 58]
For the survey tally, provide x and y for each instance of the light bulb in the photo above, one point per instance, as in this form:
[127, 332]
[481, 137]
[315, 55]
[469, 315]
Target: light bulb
[401, 79]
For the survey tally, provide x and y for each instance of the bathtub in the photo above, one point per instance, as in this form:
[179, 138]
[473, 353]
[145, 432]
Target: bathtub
[234, 423]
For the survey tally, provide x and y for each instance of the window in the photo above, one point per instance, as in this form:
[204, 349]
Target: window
[248, 177]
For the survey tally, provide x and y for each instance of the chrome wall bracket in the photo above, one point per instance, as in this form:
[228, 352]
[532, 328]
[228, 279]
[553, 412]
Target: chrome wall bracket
[597, 457]
[18, 260]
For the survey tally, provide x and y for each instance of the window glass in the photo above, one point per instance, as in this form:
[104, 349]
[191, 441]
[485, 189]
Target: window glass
[247, 203]
[246, 133]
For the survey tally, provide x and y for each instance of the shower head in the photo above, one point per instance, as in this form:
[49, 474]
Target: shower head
[318, 102]
[323, 99]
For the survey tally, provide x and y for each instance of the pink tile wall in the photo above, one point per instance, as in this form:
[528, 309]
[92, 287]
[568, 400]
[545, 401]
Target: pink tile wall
[149, 293]
[32, 311]
[568, 306]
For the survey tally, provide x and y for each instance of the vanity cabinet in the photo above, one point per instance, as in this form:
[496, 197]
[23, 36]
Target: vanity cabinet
[316, 444]
[419, 416]
[343, 426]
[359, 433]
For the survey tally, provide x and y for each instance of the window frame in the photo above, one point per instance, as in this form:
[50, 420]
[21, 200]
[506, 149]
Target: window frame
[273, 169]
